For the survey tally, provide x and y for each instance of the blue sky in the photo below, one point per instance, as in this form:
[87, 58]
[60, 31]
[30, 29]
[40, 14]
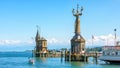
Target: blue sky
[18, 20]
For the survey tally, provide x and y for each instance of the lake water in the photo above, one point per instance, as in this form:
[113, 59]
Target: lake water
[20, 60]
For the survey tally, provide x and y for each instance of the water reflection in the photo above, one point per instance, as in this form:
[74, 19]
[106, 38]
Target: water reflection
[78, 64]
[57, 63]
[39, 59]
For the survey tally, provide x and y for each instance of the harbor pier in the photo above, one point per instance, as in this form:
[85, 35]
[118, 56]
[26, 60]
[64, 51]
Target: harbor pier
[82, 57]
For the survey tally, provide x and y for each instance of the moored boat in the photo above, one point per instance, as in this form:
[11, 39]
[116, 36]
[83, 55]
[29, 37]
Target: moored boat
[31, 61]
[111, 54]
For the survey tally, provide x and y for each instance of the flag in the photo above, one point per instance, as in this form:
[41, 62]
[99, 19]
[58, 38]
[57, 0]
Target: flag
[114, 29]
[115, 33]
[92, 37]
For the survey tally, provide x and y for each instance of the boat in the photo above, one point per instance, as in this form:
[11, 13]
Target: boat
[111, 54]
[31, 60]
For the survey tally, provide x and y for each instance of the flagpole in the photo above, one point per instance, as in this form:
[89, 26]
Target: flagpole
[92, 40]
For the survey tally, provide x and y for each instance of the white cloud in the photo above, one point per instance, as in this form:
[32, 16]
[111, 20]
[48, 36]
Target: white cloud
[57, 41]
[102, 40]
[30, 41]
[98, 40]
[54, 41]
[15, 42]
[4, 42]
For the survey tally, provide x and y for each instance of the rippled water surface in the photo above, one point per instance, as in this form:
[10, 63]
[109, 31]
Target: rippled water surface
[20, 60]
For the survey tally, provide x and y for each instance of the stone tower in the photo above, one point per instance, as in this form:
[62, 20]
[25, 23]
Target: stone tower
[77, 42]
[41, 46]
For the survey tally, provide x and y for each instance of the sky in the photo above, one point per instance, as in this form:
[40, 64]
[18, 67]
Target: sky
[19, 18]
